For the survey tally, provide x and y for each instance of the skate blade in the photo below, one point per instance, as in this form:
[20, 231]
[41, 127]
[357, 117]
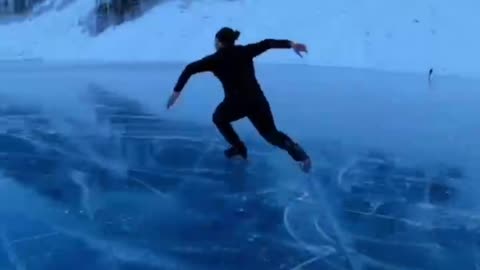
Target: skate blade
[238, 158]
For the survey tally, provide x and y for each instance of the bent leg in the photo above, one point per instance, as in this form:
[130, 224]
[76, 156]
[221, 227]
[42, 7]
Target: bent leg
[261, 117]
[224, 115]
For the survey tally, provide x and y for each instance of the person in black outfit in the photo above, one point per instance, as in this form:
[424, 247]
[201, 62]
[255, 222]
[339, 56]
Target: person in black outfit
[233, 65]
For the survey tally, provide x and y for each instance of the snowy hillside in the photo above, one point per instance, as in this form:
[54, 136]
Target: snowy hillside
[409, 35]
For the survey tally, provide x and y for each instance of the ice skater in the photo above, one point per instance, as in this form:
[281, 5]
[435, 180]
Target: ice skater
[233, 65]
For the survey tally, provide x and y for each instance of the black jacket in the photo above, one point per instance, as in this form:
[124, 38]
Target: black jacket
[233, 66]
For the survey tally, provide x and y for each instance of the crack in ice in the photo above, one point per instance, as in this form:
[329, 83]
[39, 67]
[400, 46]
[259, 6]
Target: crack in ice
[149, 187]
[305, 263]
[342, 241]
[79, 179]
[11, 254]
[33, 238]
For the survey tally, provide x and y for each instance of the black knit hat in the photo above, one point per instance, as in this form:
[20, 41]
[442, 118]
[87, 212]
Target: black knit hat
[227, 36]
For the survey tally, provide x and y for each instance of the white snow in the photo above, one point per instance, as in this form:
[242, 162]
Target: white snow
[407, 35]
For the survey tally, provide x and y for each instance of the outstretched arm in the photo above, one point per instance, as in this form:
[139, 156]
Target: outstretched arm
[255, 49]
[202, 65]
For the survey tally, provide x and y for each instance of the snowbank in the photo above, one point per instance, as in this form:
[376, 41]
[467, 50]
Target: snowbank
[409, 35]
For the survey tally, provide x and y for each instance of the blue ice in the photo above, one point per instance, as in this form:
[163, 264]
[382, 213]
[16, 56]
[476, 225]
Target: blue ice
[96, 174]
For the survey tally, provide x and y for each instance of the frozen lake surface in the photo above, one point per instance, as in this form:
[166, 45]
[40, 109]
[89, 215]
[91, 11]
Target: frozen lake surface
[96, 174]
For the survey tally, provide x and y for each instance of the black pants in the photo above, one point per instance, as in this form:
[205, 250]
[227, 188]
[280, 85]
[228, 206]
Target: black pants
[259, 113]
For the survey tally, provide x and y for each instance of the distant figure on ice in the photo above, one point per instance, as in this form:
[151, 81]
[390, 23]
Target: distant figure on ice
[233, 65]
